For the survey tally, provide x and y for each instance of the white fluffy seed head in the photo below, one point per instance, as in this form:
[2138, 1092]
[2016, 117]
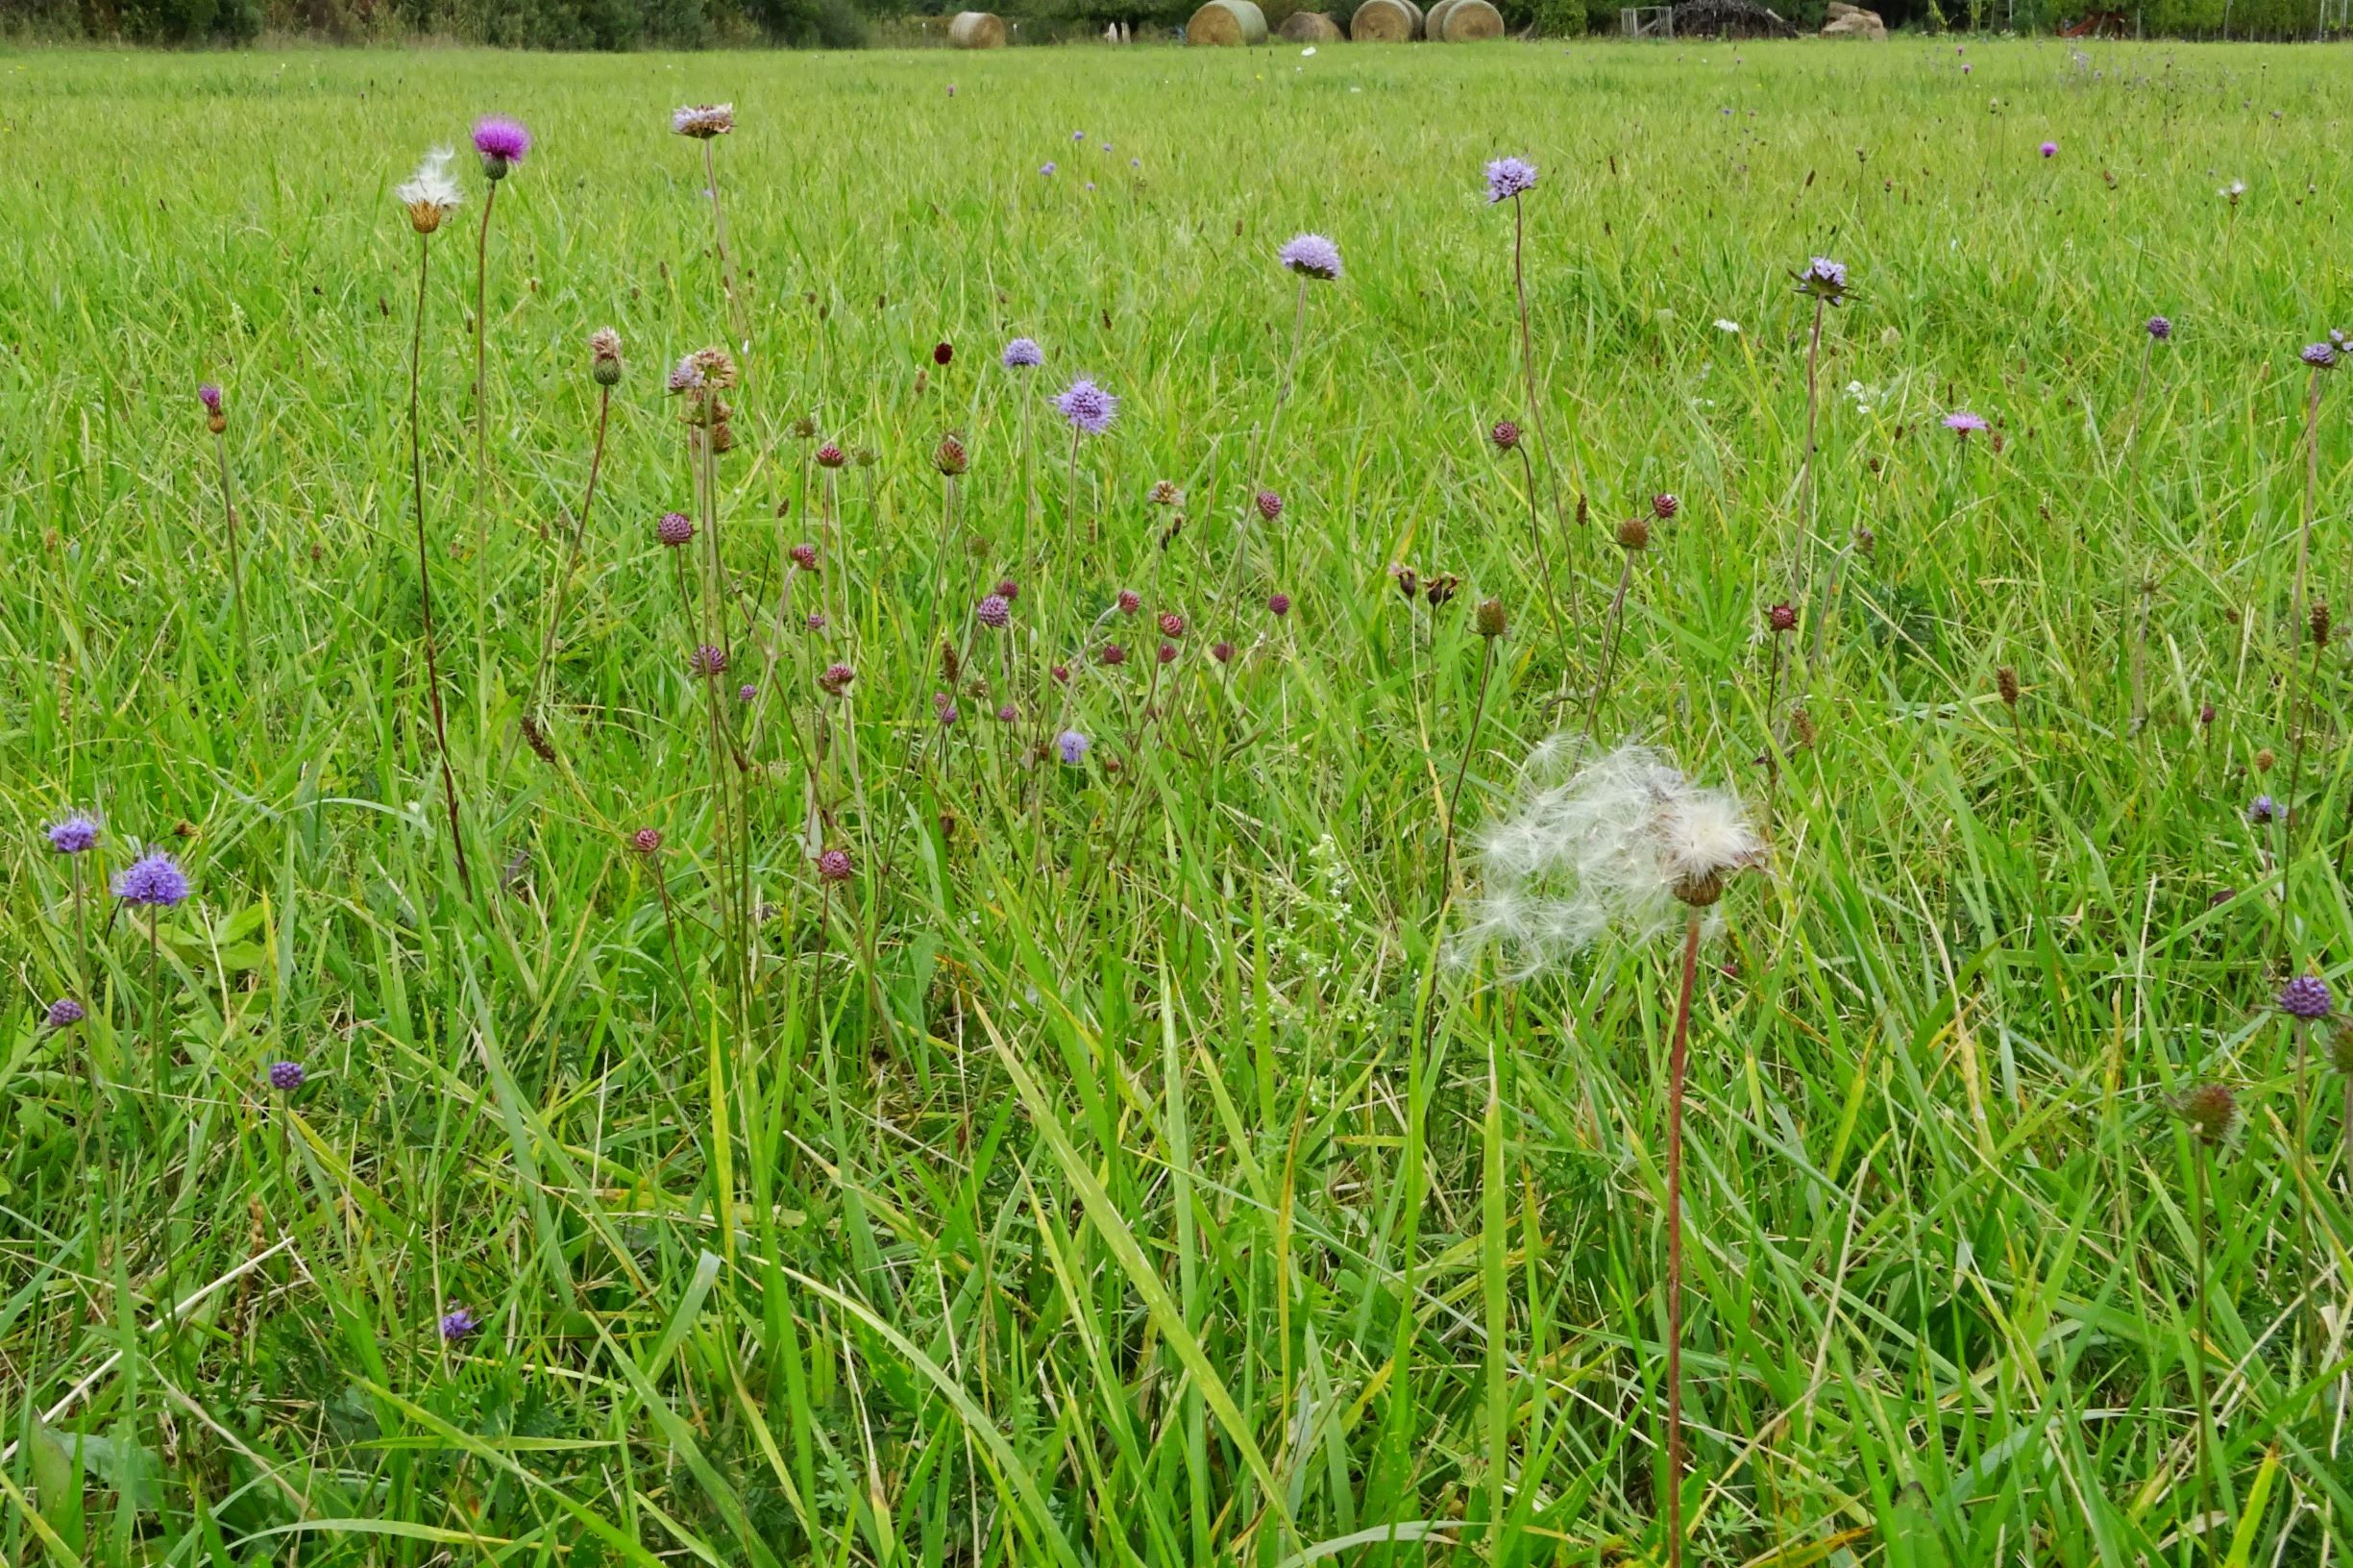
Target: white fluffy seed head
[1602, 845]
[429, 194]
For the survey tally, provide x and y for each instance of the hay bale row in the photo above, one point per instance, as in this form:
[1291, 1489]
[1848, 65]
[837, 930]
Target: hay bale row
[1385, 21]
[1226, 23]
[976, 30]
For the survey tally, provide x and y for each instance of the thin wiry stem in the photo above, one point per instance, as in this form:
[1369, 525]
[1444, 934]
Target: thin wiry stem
[2197, 1347]
[1611, 631]
[482, 375]
[1803, 550]
[1528, 365]
[571, 558]
[1544, 556]
[1675, 1056]
[727, 268]
[425, 569]
[1478, 708]
[236, 571]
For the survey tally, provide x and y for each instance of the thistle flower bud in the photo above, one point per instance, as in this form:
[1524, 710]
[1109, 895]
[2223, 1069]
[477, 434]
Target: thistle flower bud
[604, 356]
[804, 557]
[1269, 504]
[646, 841]
[1129, 601]
[2005, 682]
[1222, 652]
[1113, 654]
[1168, 653]
[1505, 435]
[835, 865]
[1442, 588]
[1664, 507]
[949, 456]
[835, 678]
[830, 455]
[1490, 618]
[1172, 624]
[1634, 534]
[709, 659]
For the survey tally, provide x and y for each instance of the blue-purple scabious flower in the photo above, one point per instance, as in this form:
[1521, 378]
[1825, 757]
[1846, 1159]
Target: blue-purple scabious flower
[2306, 997]
[501, 143]
[1510, 177]
[64, 1013]
[2320, 355]
[1023, 353]
[73, 834]
[1046, 167]
[994, 612]
[154, 880]
[1824, 279]
[1072, 746]
[2263, 810]
[458, 1322]
[1312, 256]
[287, 1076]
[1088, 406]
[1964, 424]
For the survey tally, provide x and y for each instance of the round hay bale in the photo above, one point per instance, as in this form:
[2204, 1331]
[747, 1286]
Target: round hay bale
[976, 30]
[1433, 24]
[1385, 21]
[1311, 27]
[1469, 21]
[1226, 23]
[1278, 11]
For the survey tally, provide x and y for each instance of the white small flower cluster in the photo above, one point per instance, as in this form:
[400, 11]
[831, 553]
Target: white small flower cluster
[1601, 846]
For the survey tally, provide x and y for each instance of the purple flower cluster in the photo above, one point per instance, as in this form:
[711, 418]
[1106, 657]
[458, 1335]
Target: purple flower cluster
[2160, 329]
[501, 143]
[154, 880]
[1312, 256]
[73, 834]
[1072, 746]
[1023, 353]
[458, 1322]
[2306, 997]
[287, 1076]
[64, 1013]
[1510, 177]
[1088, 406]
[1964, 424]
[994, 612]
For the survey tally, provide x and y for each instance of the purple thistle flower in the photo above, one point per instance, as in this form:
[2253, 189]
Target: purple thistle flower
[2306, 997]
[994, 611]
[1312, 256]
[210, 395]
[287, 1076]
[2263, 809]
[835, 865]
[2320, 355]
[1008, 714]
[1088, 406]
[2050, 149]
[1964, 424]
[1023, 353]
[458, 1322]
[746, 692]
[154, 880]
[73, 834]
[2160, 329]
[674, 530]
[943, 708]
[501, 143]
[1510, 177]
[64, 1013]
[1072, 746]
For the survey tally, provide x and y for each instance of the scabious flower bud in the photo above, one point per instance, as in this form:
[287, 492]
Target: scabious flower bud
[1130, 602]
[835, 678]
[1168, 653]
[830, 455]
[1113, 654]
[1783, 617]
[646, 841]
[994, 612]
[709, 659]
[674, 530]
[1172, 624]
[835, 865]
[1222, 652]
[804, 557]
[2212, 1112]
[1269, 504]
[287, 1076]
[1279, 604]
[1490, 618]
[1664, 507]
[64, 1013]
[1008, 590]
[1505, 435]
[2306, 997]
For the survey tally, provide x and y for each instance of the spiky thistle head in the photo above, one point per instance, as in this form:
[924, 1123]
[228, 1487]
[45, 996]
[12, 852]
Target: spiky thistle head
[1607, 843]
[503, 143]
[2212, 1112]
[604, 356]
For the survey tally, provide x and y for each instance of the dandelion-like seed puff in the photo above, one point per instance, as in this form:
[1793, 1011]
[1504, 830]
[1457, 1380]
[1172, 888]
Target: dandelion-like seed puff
[429, 194]
[1608, 845]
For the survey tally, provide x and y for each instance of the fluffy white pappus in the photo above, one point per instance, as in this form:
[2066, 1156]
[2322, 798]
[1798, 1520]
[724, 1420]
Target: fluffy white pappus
[430, 186]
[1595, 846]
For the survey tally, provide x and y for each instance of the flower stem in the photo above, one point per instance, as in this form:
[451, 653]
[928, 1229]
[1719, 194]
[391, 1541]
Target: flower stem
[726, 269]
[1675, 1055]
[236, 571]
[572, 558]
[425, 572]
[1478, 708]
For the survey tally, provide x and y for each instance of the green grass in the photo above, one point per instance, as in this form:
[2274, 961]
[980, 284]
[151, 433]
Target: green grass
[1110, 1171]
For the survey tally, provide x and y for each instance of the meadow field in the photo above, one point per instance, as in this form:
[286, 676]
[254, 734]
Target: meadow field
[1079, 993]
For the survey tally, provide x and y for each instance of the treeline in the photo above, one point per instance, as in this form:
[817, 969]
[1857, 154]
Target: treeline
[841, 24]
